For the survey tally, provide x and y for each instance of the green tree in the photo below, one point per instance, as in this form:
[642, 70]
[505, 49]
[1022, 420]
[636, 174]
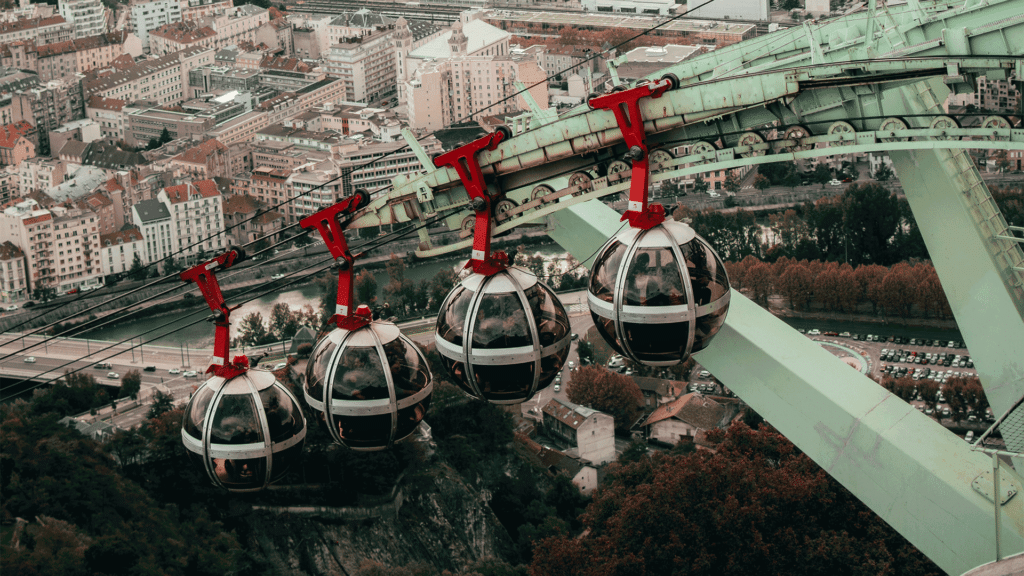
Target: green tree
[884, 173]
[601, 389]
[440, 285]
[131, 383]
[732, 182]
[822, 174]
[137, 270]
[761, 182]
[283, 322]
[365, 285]
[1002, 162]
[871, 217]
[165, 137]
[700, 185]
[171, 265]
[789, 5]
[44, 293]
[253, 331]
[162, 404]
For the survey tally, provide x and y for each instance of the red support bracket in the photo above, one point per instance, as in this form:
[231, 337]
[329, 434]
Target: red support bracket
[626, 106]
[326, 222]
[204, 275]
[463, 159]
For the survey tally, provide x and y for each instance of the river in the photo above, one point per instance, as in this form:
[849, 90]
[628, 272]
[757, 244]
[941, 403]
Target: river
[201, 335]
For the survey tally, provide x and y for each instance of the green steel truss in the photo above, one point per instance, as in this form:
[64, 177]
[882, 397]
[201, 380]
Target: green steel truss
[869, 81]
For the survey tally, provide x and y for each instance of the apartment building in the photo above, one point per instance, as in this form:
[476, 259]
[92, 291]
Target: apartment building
[566, 60]
[153, 219]
[365, 65]
[109, 114]
[13, 278]
[39, 30]
[217, 30]
[109, 218]
[63, 60]
[144, 124]
[472, 87]
[9, 184]
[76, 243]
[47, 106]
[196, 9]
[270, 185]
[15, 147]
[88, 17]
[207, 160]
[118, 250]
[249, 220]
[39, 174]
[148, 16]
[162, 80]
[29, 227]
[997, 96]
[277, 36]
[27, 12]
[196, 211]
[591, 432]
[353, 118]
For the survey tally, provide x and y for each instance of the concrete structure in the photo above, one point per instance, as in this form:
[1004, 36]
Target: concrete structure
[590, 432]
[217, 30]
[365, 64]
[644, 61]
[47, 106]
[753, 10]
[161, 80]
[13, 279]
[996, 96]
[118, 250]
[75, 244]
[683, 418]
[657, 7]
[153, 219]
[84, 130]
[39, 174]
[15, 147]
[87, 16]
[147, 16]
[38, 30]
[196, 211]
[109, 114]
[29, 227]
[277, 36]
[249, 220]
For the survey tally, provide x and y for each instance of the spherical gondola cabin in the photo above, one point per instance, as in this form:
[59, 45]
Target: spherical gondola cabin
[503, 336]
[244, 431]
[371, 385]
[658, 295]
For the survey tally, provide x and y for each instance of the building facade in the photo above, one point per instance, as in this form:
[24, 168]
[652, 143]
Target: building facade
[118, 250]
[148, 16]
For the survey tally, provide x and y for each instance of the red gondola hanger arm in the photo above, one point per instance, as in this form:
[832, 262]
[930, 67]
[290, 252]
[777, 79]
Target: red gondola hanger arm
[464, 160]
[625, 105]
[205, 276]
[330, 228]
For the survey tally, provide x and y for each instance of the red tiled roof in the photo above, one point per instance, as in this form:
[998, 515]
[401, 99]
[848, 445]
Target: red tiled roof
[105, 103]
[183, 32]
[9, 251]
[241, 204]
[96, 200]
[10, 133]
[123, 62]
[199, 154]
[112, 185]
[121, 237]
[27, 23]
[695, 409]
[182, 192]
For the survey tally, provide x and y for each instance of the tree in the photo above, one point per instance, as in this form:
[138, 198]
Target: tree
[871, 216]
[44, 293]
[171, 266]
[732, 182]
[797, 284]
[789, 5]
[252, 331]
[760, 280]
[757, 506]
[822, 174]
[601, 389]
[700, 186]
[162, 404]
[365, 284]
[131, 383]
[137, 271]
[165, 137]
[440, 285]
[761, 182]
[283, 322]
[928, 390]
[1002, 162]
[898, 291]
[127, 446]
[884, 173]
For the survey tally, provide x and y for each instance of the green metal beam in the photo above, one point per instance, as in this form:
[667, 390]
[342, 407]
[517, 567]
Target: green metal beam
[902, 464]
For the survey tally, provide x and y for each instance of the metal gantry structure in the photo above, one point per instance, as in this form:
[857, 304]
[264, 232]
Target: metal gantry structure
[873, 80]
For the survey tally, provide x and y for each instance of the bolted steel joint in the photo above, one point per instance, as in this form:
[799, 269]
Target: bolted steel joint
[634, 153]
[478, 204]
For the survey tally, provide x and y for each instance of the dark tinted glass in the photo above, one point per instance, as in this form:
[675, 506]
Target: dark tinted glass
[606, 328]
[606, 268]
[364, 431]
[509, 382]
[552, 321]
[550, 365]
[707, 274]
[501, 323]
[654, 279]
[195, 414]
[359, 375]
[457, 370]
[284, 460]
[706, 327]
[657, 342]
[235, 421]
[241, 474]
[408, 369]
[452, 318]
[316, 370]
[410, 417]
[283, 416]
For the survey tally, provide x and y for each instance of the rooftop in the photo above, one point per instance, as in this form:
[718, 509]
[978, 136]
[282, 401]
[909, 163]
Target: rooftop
[121, 237]
[615, 20]
[362, 19]
[29, 23]
[151, 211]
[694, 409]
[199, 154]
[102, 103]
[10, 133]
[9, 251]
[98, 83]
[478, 33]
[189, 191]
[572, 415]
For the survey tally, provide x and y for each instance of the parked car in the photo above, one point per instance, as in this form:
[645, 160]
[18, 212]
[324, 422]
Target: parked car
[113, 375]
[814, 332]
[103, 366]
[558, 387]
[844, 334]
[834, 182]
[571, 365]
[277, 276]
[969, 436]
[30, 359]
[72, 291]
[714, 194]
[12, 308]
[174, 371]
[29, 304]
[705, 374]
[149, 369]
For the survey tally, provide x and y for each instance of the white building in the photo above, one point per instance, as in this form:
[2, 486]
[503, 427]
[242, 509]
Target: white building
[661, 7]
[684, 418]
[153, 219]
[590, 432]
[730, 9]
[87, 16]
[197, 216]
[76, 249]
[118, 250]
[151, 15]
[30, 228]
[366, 65]
[109, 114]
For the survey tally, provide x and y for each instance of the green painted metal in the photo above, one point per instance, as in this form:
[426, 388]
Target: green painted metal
[904, 465]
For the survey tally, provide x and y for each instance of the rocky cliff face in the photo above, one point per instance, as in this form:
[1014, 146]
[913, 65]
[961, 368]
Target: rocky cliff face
[442, 521]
